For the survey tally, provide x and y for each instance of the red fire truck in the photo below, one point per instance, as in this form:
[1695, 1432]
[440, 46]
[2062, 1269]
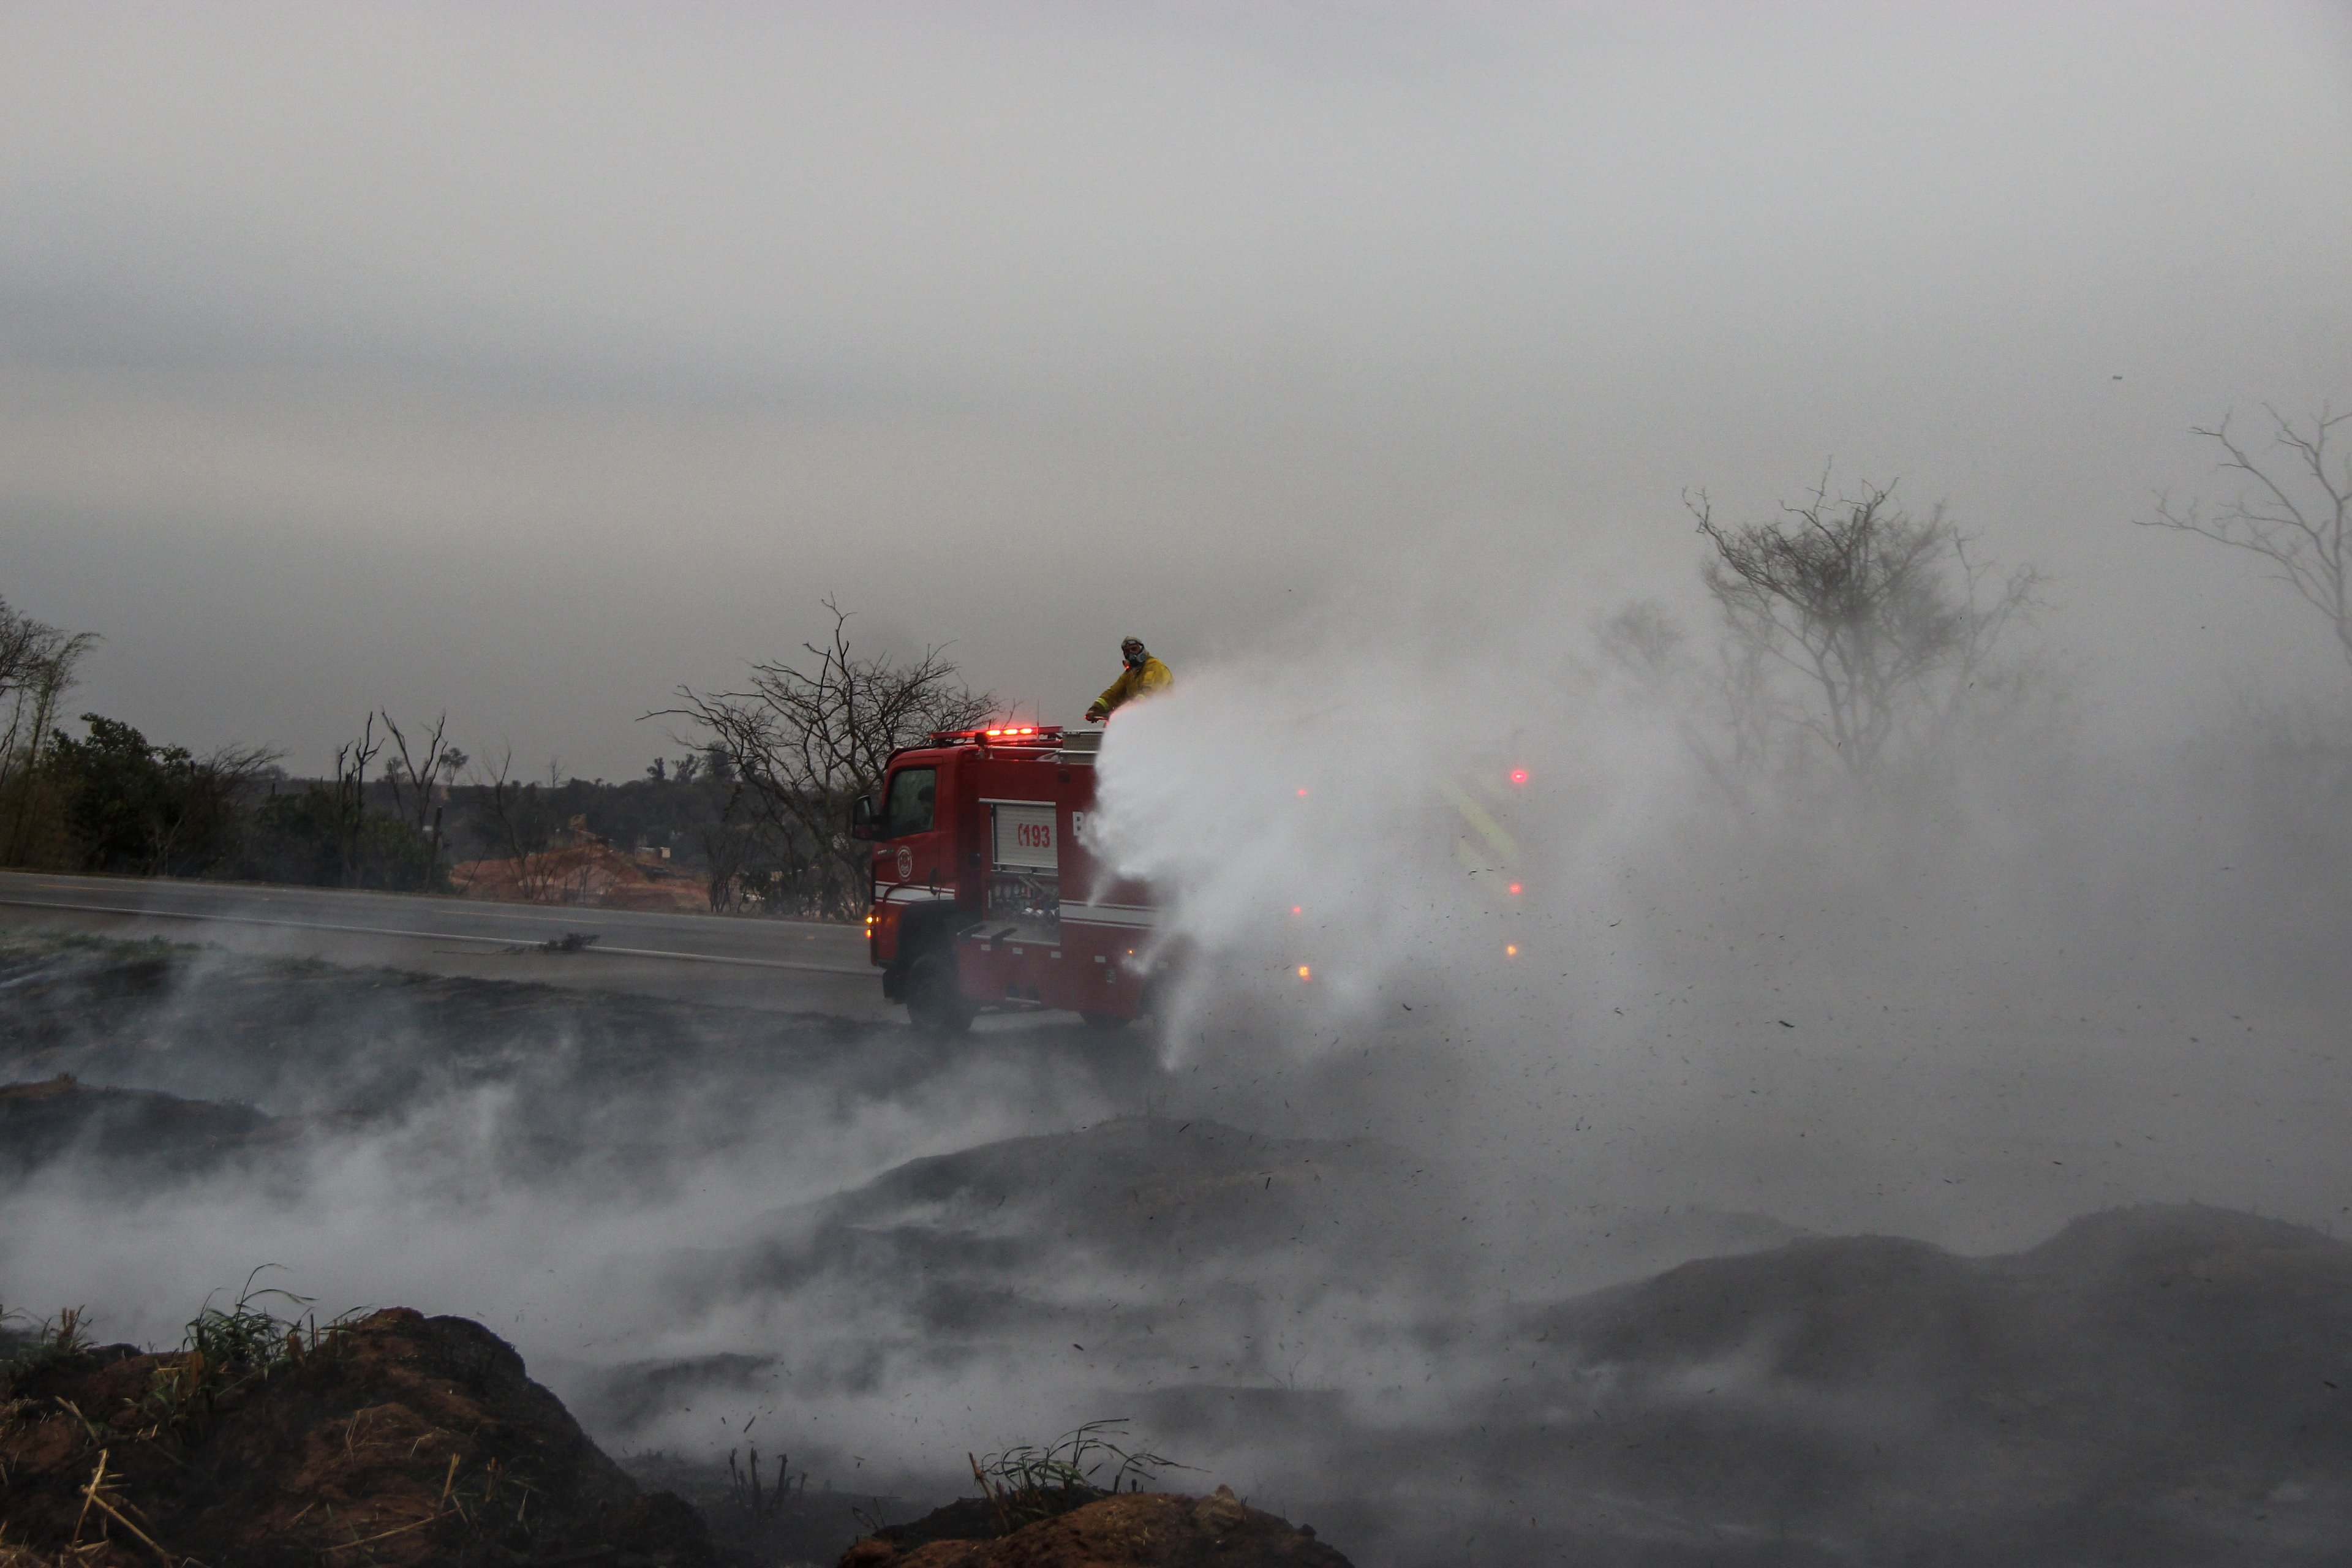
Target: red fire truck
[985, 894]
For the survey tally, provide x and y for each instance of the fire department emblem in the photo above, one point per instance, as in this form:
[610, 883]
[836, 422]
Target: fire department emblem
[906, 864]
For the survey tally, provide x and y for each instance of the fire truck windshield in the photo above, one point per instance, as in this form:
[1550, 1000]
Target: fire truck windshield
[908, 807]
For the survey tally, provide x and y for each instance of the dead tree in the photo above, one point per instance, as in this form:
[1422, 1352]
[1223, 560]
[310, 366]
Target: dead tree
[1855, 624]
[522, 823]
[38, 664]
[1642, 638]
[727, 848]
[37, 667]
[413, 782]
[2294, 510]
[352, 759]
[1641, 643]
[803, 739]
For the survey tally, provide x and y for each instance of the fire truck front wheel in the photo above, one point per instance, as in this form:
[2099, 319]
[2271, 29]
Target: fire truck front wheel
[935, 1002]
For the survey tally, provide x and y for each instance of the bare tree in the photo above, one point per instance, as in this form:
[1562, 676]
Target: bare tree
[38, 664]
[1856, 625]
[804, 738]
[24, 642]
[522, 823]
[352, 759]
[1642, 642]
[413, 782]
[727, 848]
[1640, 637]
[2294, 509]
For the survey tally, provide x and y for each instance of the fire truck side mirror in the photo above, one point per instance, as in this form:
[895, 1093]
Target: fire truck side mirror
[861, 818]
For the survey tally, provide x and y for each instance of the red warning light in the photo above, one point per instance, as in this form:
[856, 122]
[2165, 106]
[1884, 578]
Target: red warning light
[1302, 794]
[1298, 909]
[1518, 776]
[1515, 889]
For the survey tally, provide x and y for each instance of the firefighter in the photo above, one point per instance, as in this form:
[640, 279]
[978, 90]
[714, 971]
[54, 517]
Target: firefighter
[1143, 676]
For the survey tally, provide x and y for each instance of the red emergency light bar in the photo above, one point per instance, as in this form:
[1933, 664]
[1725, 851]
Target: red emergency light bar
[1001, 735]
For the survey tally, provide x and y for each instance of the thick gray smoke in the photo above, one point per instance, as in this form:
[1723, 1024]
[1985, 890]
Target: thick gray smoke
[2051, 968]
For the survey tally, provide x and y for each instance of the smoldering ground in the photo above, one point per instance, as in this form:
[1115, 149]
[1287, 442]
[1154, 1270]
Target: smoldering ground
[1451, 1250]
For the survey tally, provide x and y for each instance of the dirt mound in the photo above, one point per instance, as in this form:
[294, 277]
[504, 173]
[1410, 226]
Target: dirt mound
[61, 1116]
[970, 1235]
[396, 1439]
[2138, 1322]
[2155, 1385]
[1146, 1191]
[1132, 1530]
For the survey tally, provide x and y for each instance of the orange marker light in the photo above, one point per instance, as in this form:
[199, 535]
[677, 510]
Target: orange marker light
[1512, 951]
[1303, 974]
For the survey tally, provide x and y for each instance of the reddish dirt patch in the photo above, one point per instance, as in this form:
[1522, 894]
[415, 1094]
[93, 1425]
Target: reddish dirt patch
[1132, 1530]
[590, 872]
[398, 1440]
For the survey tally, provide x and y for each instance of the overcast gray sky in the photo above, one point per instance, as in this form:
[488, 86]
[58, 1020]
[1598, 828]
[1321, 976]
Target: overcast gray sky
[533, 359]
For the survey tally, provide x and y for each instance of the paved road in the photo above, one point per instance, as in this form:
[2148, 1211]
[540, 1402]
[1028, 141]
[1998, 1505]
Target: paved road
[783, 965]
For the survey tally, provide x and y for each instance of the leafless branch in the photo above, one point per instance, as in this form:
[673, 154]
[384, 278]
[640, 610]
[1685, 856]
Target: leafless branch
[806, 738]
[522, 824]
[1854, 623]
[2294, 511]
[37, 667]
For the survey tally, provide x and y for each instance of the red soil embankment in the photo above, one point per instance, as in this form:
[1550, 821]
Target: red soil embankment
[592, 873]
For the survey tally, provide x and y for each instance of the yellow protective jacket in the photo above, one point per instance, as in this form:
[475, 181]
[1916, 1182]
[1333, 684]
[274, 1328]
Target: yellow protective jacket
[1141, 680]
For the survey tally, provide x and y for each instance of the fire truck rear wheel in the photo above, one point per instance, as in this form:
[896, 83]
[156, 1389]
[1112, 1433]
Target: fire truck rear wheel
[935, 1002]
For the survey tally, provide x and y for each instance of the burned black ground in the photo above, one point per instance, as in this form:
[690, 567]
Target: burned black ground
[1305, 1315]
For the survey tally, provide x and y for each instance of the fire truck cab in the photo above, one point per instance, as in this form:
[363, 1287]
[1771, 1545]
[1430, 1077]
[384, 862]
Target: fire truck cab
[985, 895]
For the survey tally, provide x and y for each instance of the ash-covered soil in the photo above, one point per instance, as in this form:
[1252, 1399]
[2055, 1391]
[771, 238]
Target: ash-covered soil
[62, 1119]
[713, 1232]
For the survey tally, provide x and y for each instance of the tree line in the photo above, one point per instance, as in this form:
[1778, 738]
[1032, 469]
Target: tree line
[399, 808]
[751, 809]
